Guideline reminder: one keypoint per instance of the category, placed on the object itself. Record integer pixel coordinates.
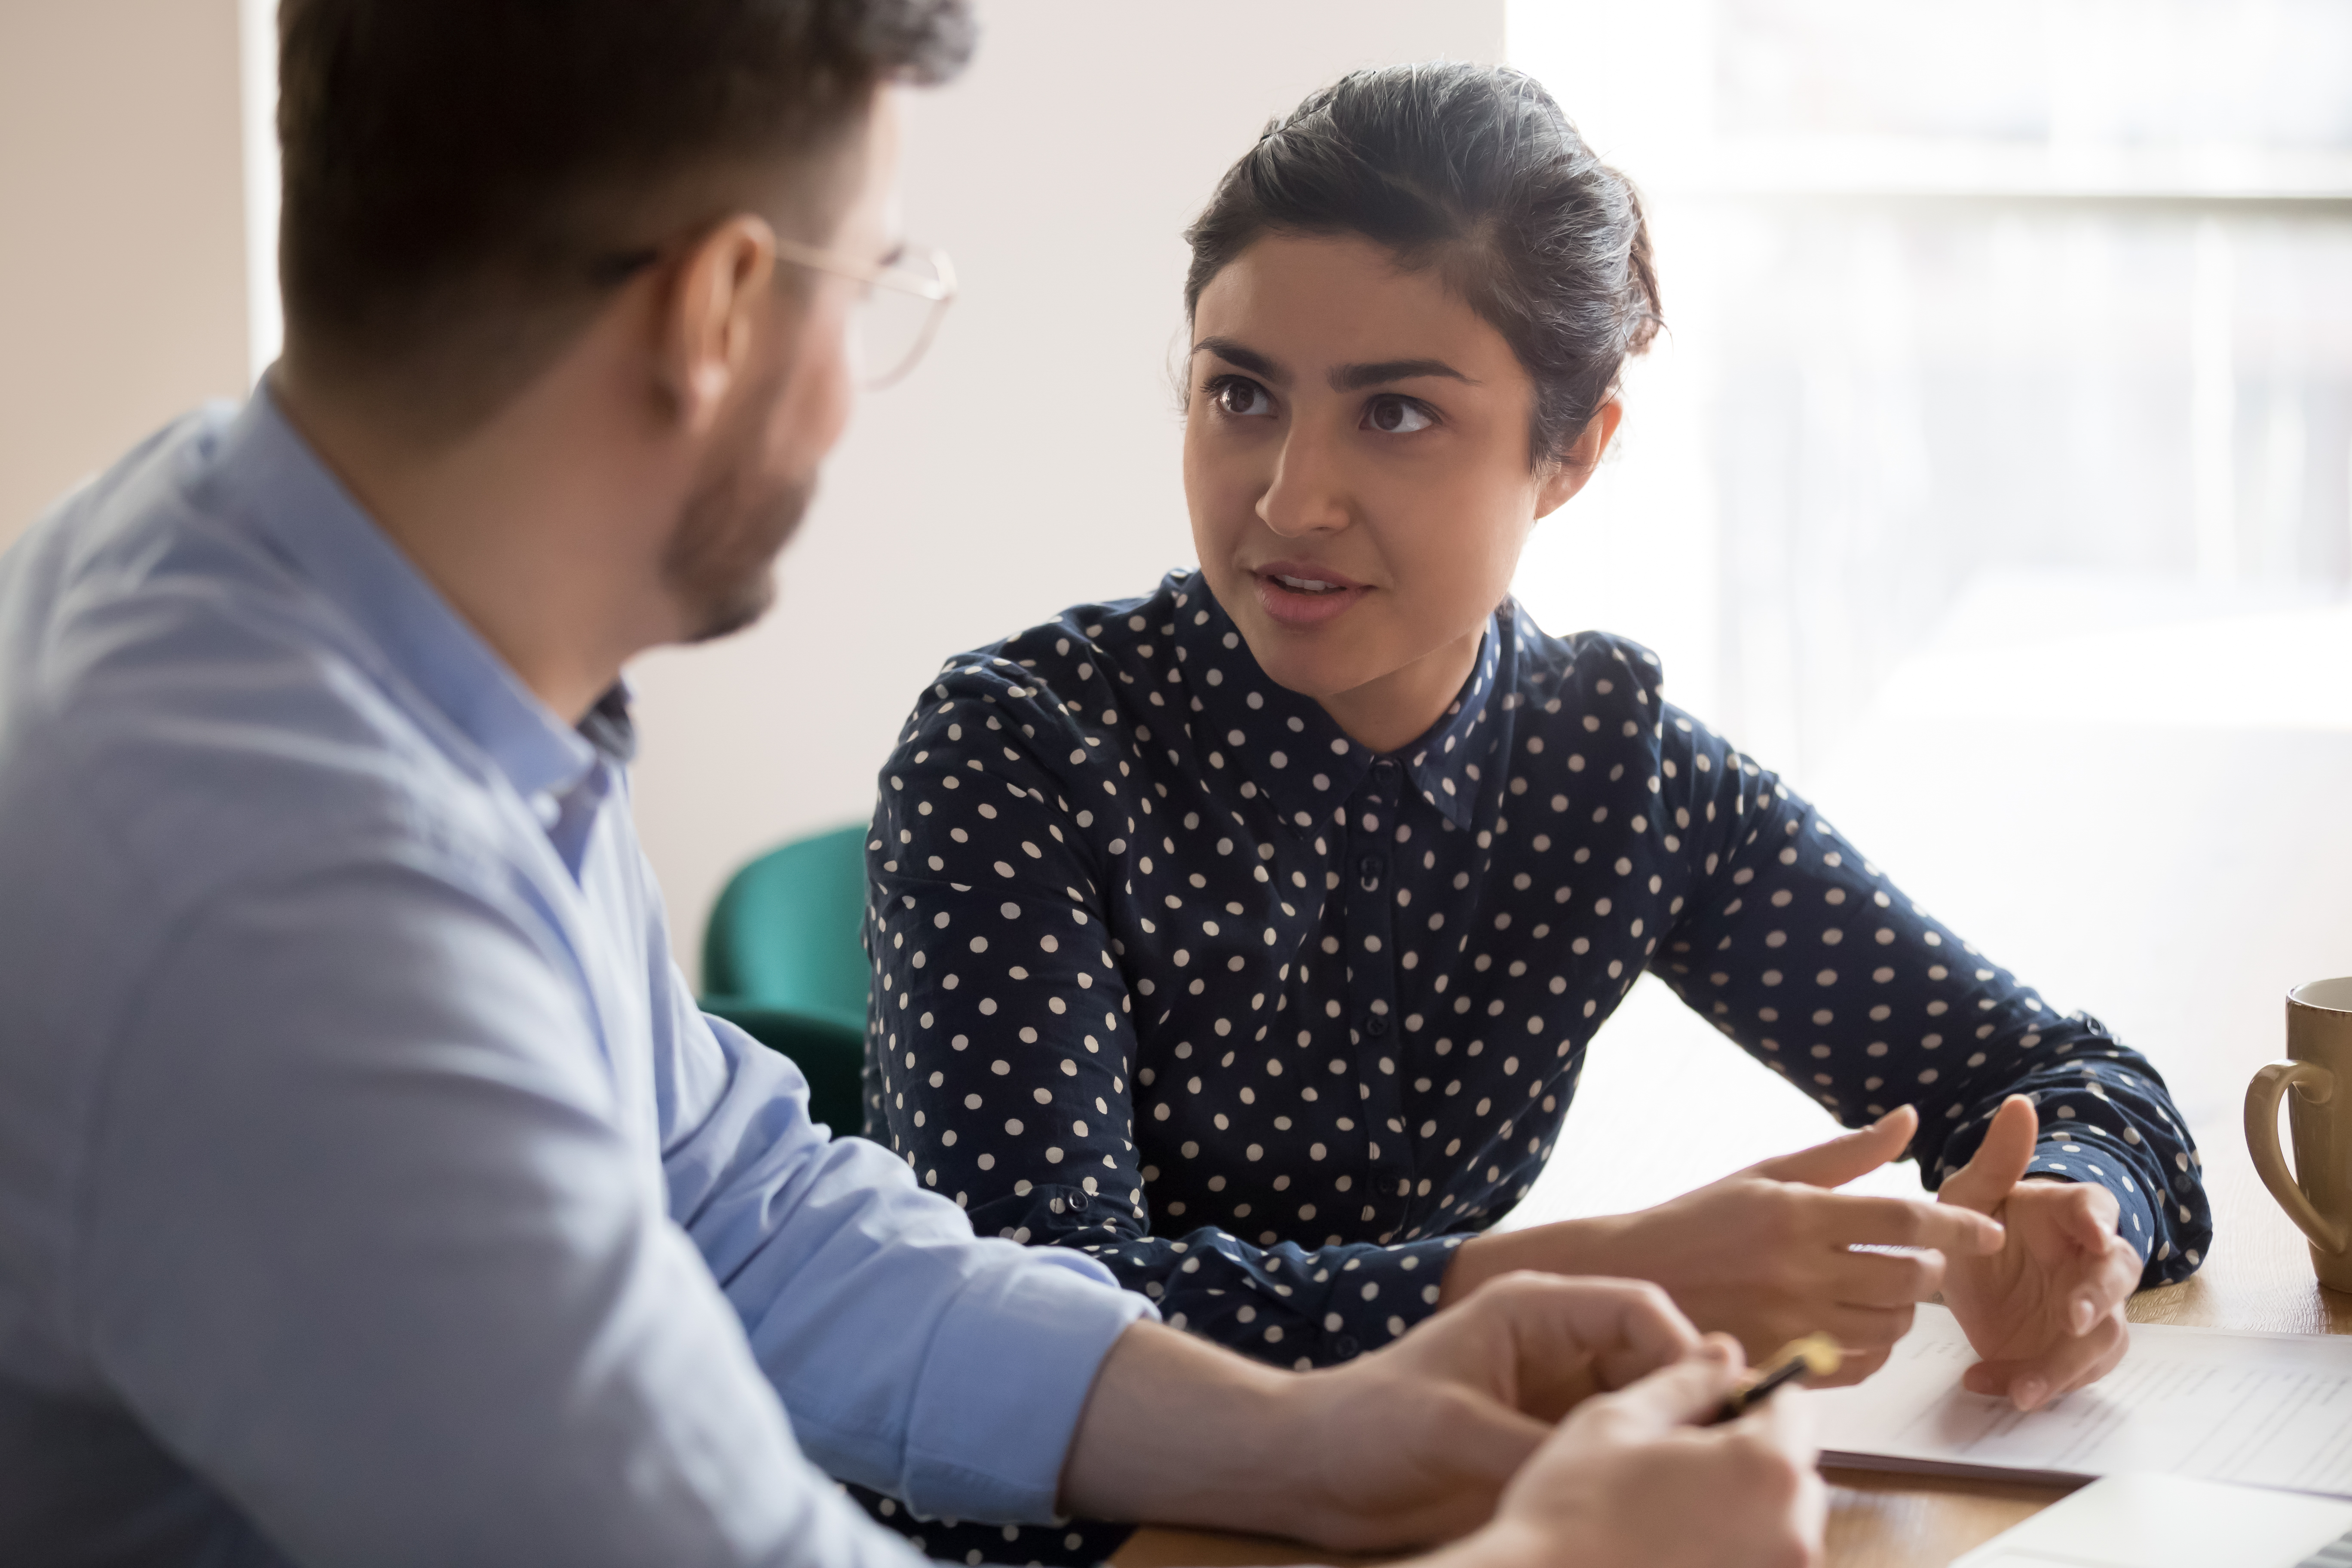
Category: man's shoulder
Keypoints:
(171, 690)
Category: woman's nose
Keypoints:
(1309, 493)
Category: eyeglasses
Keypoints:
(901, 299)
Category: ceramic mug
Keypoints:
(2317, 1193)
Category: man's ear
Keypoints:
(1567, 472)
(711, 319)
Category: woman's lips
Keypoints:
(1302, 596)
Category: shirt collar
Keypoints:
(1449, 763)
(267, 478)
(1288, 746)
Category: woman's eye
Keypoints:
(1396, 416)
(1237, 397)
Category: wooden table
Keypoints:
(2259, 1278)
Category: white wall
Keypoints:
(1031, 462)
(121, 232)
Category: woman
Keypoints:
(1250, 935)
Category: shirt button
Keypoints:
(1344, 1346)
(1370, 869)
(1377, 1024)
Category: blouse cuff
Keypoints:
(1003, 1383)
(2072, 1159)
(1379, 1294)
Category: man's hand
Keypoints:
(2046, 1311)
(1415, 1442)
(1630, 1480)
(1404, 1447)
(1766, 1253)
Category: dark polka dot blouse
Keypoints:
(1169, 969)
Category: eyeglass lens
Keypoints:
(893, 326)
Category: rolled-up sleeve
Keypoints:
(370, 1238)
(914, 1358)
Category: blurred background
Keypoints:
(1993, 481)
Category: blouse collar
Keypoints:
(1289, 748)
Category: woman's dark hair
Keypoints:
(1474, 170)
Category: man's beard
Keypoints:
(720, 563)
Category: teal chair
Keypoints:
(782, 960)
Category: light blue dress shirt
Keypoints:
(370, 1189)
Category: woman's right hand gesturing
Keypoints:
(1632, 1477)
(1767, 1254)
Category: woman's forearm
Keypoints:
(1596, 1245)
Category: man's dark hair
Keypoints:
(1473, 170)
(454, 169)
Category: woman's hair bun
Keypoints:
(1474, 170)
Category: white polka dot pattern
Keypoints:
(1168, 969)
(1066, 1544)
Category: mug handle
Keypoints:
(2318, 1085)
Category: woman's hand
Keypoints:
(1765, 1253)
(2046, 1311)
(1632, 1479)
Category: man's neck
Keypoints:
(517, 524)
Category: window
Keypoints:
(1985, 318)
(1994, 482)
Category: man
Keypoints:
(370, 1191)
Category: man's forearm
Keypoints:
(1178, 1431)
(1415, 1443)
(1504, 1543)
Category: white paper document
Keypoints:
(2267, 1410)
(2172, 1521)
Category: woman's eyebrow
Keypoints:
(1355, 378)
(1247, 358)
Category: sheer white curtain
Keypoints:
(1995, 482)
(1970, 301)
